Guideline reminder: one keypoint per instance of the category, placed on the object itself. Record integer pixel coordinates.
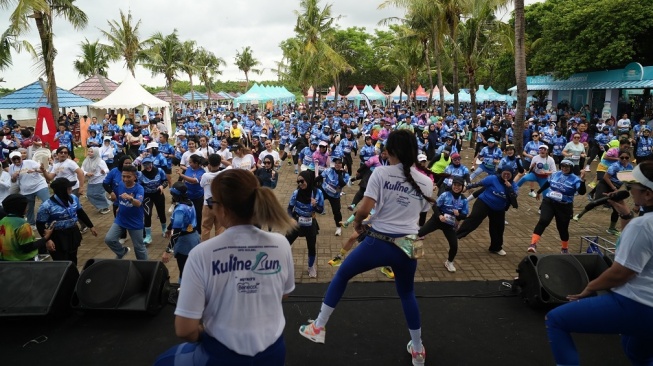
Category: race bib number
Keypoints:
(329, 188)
(450, 219)
(575, 157)
(556, 196)
(347, 150)
(448, 181)
(532, 152)
(305, 221)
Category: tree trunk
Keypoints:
(208, 94)
(471, 74)
(454, 79)
(192, 92)
(314, 101)
(246, 81)
(44, 27)
(520, 75)
(440, 83)
(428, 70)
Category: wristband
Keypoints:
(627, 216)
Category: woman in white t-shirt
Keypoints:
(224, 153)
(243, 159)
(574, 151)
(64, 167)
(205, 150)
(398, 192)
(230, 303)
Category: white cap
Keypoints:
(180, 133)
(421, 157)
(14, 154)
(152, 145)
(323, 143)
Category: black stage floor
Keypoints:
(463, 323)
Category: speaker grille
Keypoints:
(561, 275)
(104, 284)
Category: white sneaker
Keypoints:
(505, 222)
(312, 271)
(449, 266)
(338, 231)
(532, 194)
(587, 168)
(500, 252)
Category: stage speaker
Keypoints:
(36, 288)
(545, 280)
(122, 285)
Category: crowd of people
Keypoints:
(222, 166)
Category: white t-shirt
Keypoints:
(226, 155)
(205, 182)
(543, 165)
(246, 162)
(623, 123)
(575, 150)
(66, 169)
(234, 282)
(186, 156)
(273, 153)
(5, 185)
(397, 204)
(30, 179)
(205, 151)
(98, 176)
(635, 252)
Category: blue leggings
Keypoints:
(606, 314)
(208, 352)
(531, 177)
(372, 253)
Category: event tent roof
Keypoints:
(34, 96)
(174, 98)
(378, 90)
(130, 94)
(421, 94)
(195, 95)
(397, 93)
(354, 94)
(95, 88)
(372, 94)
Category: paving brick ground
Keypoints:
(473, 261)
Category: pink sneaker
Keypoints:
(418, 357)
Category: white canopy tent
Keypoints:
(129, 95)
(397, 93)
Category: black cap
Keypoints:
(61, 183)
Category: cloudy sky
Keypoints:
(222, 27)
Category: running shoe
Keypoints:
(564, 251)
(500, 252)
(126, 249)
(449, 266)
(576, 217)
(590, 197)
(338, 231)
(505, 222)
(532, 248)
(313, 333)
(387, 271)
(419, 358)
(532, 194)
(105, 211)
(312, 271)
(336, 261)
(351, 207)
(613, 232)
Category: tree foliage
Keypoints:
(125, 40)
(570, 36)
(94, 59)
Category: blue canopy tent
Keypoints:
(33, 96)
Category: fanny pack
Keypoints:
(409, 244)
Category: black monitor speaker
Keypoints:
(545, 280)
(122, 285)
(36, 288)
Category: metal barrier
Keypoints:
(597, 244)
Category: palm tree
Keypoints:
(125, 41)
(44, 12)
(520, 73)
(93, 60)
(189, 64)
(163, 55)
(479, 34)
(8, 42)
(315, 29)
(245, 61)
(209, 66)
(450, 12)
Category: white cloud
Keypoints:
(222, 27)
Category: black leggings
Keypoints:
(311, 238)
(150, 201)
(348, 161)
(181, 262)
(497, 224)
(449, 232)
(335, 207)
(562, 213)
(602, 188)
(198, 204)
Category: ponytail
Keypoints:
(403, 145)
(269, 213)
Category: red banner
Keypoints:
(45, 127)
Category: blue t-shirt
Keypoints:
(129, 216)
(563, 187)
(54, 210)
(152, 185)
(65, 139)
(495, 192)
(195, 191)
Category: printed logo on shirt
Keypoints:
(262, 265)
(246, 287)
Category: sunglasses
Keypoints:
(576, 137)
(267, 163)
(15, 158)
(300, 181)
(624, 157)
(63, 152)
(535, 136)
